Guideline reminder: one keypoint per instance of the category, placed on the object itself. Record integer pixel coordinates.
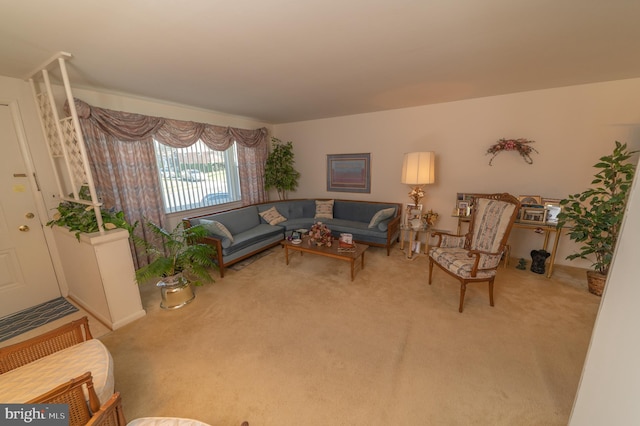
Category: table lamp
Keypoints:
(418, 170)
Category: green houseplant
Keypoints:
(279, 172)
(179, 259)
(594, 216)
(80, 218)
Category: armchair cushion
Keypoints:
(492, 222)
(457, 261)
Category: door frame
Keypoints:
(36, 192)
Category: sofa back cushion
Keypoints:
(237, 220)
(291, 209)
(359, 211)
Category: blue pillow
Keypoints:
(219, 230)
(381, 215)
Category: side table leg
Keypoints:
(286, 254)
(410, 248)
(552, 259)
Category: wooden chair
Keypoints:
(475, 256)
(19, 354)
(72, 394)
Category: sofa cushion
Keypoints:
(324, 209)
(358, 210)
(380, 216)
(216, 228)
(272, 216)
(252, 236)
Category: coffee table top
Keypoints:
(307, 246)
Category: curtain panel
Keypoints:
(120, 150)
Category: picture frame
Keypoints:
(463, 208)
(553, 209)
(411, 212)
(530, 200)
(533, 215)
(349, 173)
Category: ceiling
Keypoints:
(281, 61)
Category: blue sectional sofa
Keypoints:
(242, 232)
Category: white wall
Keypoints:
(572, 127)
(610, 385)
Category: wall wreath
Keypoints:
(520, 145)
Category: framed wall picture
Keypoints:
(349, 172)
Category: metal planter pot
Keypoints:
(176, 292)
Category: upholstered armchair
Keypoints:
(475, 256)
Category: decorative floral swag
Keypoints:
(520, 145)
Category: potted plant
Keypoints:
(179, 260)
(80, 218)
(279, 172)
(594, 216)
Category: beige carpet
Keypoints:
(303, 345)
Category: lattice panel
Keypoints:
(49, 124)
(74, 154)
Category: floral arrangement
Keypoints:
(430, 217)
(320, 234)
(520, 145)
(416, 195)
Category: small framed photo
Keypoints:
(553, 210)
(464, 208)
(533, 215)
(412, 212)
(530, 200)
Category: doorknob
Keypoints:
(29, 215)
(23, 228)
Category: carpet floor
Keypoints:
(303, 345)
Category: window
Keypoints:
(197, 176)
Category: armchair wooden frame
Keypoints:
(110, 414)
(480, 265)
(19, 354)
(72, 394)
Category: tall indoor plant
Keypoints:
(594, 216)
(179, 259)
(279, 172)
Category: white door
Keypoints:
(27, 277)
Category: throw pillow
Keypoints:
(381, 215)
(324, 209)
(272, 216)
(216, 228)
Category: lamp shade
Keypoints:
(418, 168)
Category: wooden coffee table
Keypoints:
(349, 256)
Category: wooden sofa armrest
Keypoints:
(217, 244)
(19, 354)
